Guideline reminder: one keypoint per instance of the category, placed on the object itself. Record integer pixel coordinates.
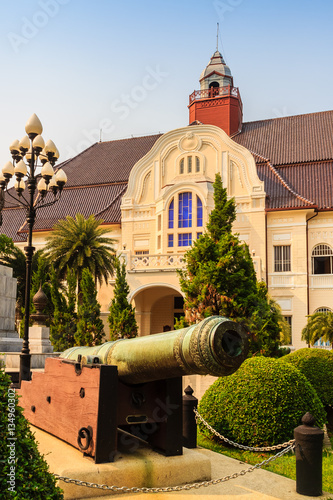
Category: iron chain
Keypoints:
(241, 446)
(288, 446)
(167, 489)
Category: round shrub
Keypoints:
(24, 473)
(317, 366)
(260, 404)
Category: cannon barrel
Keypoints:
(216, 346)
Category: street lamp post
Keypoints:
(39, 185)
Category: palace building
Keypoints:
(154, 194)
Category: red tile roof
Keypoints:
(294, 157)
(108, 162)
(12, 220)
(95, 200)
(313, 180)
(290, 153)
(291, 139)
(97, 179)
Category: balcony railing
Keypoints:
(156, 262)
(321, 281)
(226, 91)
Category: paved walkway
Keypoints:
(259, 484)
(256, 485)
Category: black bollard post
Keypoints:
(309, 450)
(189, 423)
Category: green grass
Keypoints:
(285, 465)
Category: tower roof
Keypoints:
(216, 65)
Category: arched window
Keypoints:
(185, 210)
(214, 88)
(189, 164)
(322, 259)
(323, 310)
(171, 215)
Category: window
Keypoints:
(288, 340)
(189, 164)
(322, 259)
(199, 212)
(214, 88)
(323, 310)
(142, 252)
(171, 214)
(184, 239)
(185, 210)
(282, 259)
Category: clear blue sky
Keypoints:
(129, 67)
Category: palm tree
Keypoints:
(80, 244)
(320, 325)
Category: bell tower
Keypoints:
(217, 102)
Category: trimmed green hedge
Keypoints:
(317, 366)
(24, 473)
(261, 403)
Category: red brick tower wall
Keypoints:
(225, 112)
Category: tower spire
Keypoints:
(217, 102)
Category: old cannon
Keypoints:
(107, 398)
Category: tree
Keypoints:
(24, 472)
(224, 212)
(78, 244)
(6, 245)
(122, 315)
(268, 327)
(90, 328)
(319, 326)
(64, 321)
(219, 279)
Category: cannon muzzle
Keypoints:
(216, 346)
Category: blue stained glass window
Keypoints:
(171, 214)
(184, 239)
(170, 240)
(184, 210)
(199, 212)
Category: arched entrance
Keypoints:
(156, 307)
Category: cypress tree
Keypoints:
(219, 279)
(122, 315)
(90, 327)
(63, 324)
